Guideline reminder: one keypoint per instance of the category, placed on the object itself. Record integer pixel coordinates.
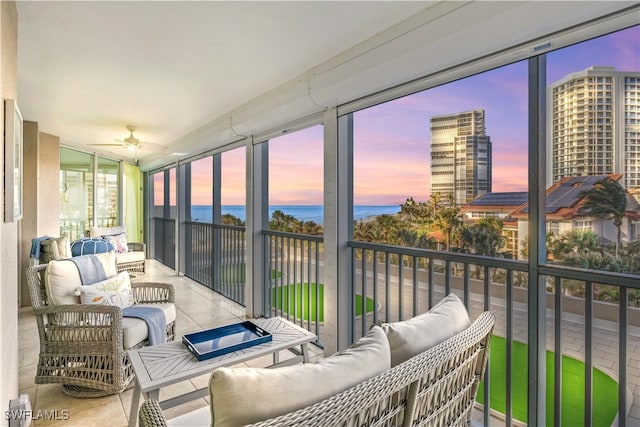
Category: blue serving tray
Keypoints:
(226, 339)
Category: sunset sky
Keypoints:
(391, 140)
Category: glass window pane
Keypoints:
(158, 194)
(172, 192)
(202, 190)
(233, 191)
(296, 187)
(76, 192)
(593, 153)
(107, 185)
(445, 167)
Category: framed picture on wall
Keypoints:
(12, 161)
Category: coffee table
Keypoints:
(165, 364)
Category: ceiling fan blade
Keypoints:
(107, 145)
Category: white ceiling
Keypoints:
(190, 75)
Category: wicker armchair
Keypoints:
(82, 345)
(434, 388)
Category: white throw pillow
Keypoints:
(115, 291)
(242, 396)
(61, 278)
(411, 337)
(119, 242)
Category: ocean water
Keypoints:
(304, 213)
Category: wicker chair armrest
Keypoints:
(153, 292)
(80, 323)
(150, 414)
(136, 247)
(79, 308)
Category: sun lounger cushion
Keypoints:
(413, 336)
(242, 396)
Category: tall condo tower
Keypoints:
(593, 125)
(460, 156)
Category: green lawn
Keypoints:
(605, 389)
(281, 300)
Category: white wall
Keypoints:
(8, 231)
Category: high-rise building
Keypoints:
(594, 125)
(460, 156)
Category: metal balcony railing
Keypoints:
(397, 283)
(591, 316)
(164, 240)
(215, 257)
(294, 285)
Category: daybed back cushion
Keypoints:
(106, 231)
(411, 337)
(242, 396)
(61, 278)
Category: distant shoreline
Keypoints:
(313, 213)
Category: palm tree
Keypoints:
(574, 241)
(281, 221)
(447, 220)
(607, 199)
(483, 238)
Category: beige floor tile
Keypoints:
(69, 411)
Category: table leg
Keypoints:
(305, 353)
(135, 403)
(276, 357)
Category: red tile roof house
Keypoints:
(565, 212)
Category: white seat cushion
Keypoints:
(242, 396)
(135, 330)
(131, 256)
(411, 337)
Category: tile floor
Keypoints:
(198, 308)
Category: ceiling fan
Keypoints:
(131, 143)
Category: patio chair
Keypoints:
(84, 346)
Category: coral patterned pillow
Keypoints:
(113, 291)
(119, 242)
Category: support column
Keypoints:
(338, 230)
(216, 253)
(257, 209)
(537, 243)
(183, 213)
